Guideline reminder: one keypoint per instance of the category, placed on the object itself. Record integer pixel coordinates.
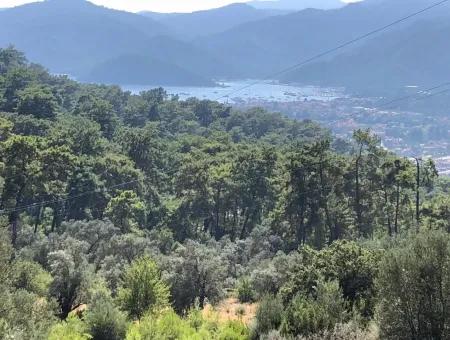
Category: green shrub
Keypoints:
(144, 329)
(195, 318)
(25, 315)
(309, 315)
(203, 326)
(170, 326)
(268, 315)
(167, 326)
(272, 335)
(245, 291)
(414, 288)
(233, 330)
(31, 277)
(105, 321)
(351, 265)
(347, 331)
(197, 274)
(70, 329)
(143, 290)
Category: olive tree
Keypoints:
(414, 288)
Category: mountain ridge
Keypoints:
(76, 37)
(207, 22)
(81, 39)
(273, 44)
(297, 5)
(388, 62)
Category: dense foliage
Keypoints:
(117, 207)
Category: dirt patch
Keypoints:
(231, 310)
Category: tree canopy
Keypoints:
(117, 207)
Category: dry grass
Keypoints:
(79, 310)
(231, 310)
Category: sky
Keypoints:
(148, 5)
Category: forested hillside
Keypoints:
(125, 216)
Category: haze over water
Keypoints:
(263, 91)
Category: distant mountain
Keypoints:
(69, 36)
(98, 44)
(296, 5)
(203, 23)
(168, 56)
(141, 69)
(418, 55)
(266, 46)
(77, 38)
(190, 57)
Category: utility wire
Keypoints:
(334, 49)
(37, 172)
(418, 95)
(40, 204)
(436, 94)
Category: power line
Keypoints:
(436, 94)
(40, 204)
(418, 95)
(334, 49)
(37, 172)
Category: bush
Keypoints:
(268, 315)
(31, 277)
(233, 330)
(272, 335)
(270, 275)
(245, 291)
(351, 265)
(309, 315)
(144, 329)
(196, 272)
(346, 331)
(414, 288)
(70, 329)
(167, 326)
(105, 321)
(143, 289)
(25, 315)
(170, 326)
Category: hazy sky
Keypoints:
(150, 5)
